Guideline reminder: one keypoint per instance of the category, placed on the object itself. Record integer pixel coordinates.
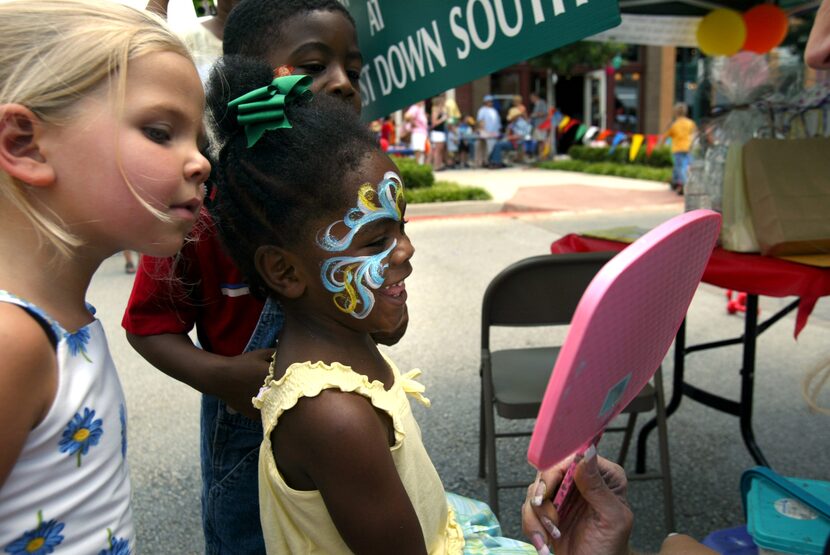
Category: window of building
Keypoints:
(627, 90)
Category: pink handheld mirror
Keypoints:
(620, 332)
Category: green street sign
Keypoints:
(416, 49)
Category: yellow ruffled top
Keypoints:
(296, 521)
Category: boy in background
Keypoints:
(681, 132)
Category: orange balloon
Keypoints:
(766, 28)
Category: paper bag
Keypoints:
(788, 187)
(737, 232)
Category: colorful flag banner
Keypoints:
(573, 123)
(580, 132)
(618, 138)
(651, 142)
(604, 134)
(593, 130)
(636, 143)
(545, 125)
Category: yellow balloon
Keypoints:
(721, 32)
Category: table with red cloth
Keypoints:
(753, 274)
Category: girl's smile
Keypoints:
(394, 290)
(394, 293)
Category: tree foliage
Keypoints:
(592, 55)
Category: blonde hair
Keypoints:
(680, 109)
(55, 52)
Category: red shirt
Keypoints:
(201, 286)
(387, 131)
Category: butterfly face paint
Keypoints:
(351, 278)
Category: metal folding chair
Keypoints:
(544, 291)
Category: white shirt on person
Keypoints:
(489, 121)
(69, 490)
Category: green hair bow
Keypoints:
(263, 109)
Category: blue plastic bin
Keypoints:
(786, 515)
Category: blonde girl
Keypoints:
(100, 128)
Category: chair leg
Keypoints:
(492, 475)
(482, 439)
(626, 443)
(490, 441)
(663, 440)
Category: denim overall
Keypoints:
(230, 456)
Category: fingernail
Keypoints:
(590, 461)
(590, 452)
(539, 543)
(672, 534)
(551, 528)
(539, 493)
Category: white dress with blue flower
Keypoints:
(69, 491)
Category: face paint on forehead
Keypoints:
(350, 278)
(372, 205)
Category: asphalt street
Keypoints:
(456, 258)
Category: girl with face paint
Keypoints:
(202, 287)
(342, 467)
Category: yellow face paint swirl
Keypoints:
(346, 301)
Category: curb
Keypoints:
(453, 208)
(485, 208)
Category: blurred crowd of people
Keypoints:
(436, 132)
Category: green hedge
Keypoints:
(421, 186)
(635, 171)
(660, 157)
(443, 191)
(415, 175)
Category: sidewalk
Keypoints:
(524, 189)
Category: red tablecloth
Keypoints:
(751, 273)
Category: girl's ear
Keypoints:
(277, 268)
(20, 155)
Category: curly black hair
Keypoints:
(267, 194)
(253, 26)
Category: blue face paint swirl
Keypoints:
(350, 277)
(372, 205)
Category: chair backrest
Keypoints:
(540, 290)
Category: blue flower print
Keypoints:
(77, 342)
(81, 433)
(122, 413)
(118, 546)
(40, 541)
